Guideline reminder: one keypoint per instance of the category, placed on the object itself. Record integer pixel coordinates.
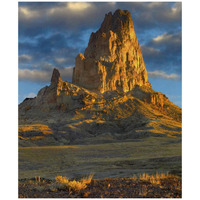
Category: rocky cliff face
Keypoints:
(113, 59)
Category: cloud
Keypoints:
(56, 49)
(52, 34)
(162, 74)
(30, 95)
(148, 15)
(25, 12)
(25, 58)
(44, 76)
(35, 18)
(34, 75)
(163, 52)
(149, 51)
(66, 73)
(77, 6)
(60, 60)
(167, 39)
(59, 17)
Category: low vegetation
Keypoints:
(73, 185)
(155, 179)
(159, 185)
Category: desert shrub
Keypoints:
(76, 185)
(61, 179)
(73, 185)
(87, 180)
(154, 179)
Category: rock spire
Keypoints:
(113, 59)
(56, 78)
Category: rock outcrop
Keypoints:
(60, 95)
(76, 115)
(113, 59)
(109, 100)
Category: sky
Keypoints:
(52, 34)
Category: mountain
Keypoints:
(113, 59)
(110, 98)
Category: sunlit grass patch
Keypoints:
(155, 179)
(35, 127)
(73, 184)
(87, 180)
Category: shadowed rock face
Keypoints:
(113, 59)
(55, 79)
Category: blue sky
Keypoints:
(52, 34)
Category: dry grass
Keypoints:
(169, 187)
(87, 180)
(154, 179)
(73, 185)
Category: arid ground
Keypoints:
(113, 164)
(157, 186)
(124, 159)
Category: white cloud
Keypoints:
(27, 13)
(149, 51)
(30, 95)
(34, 75)
(43, 76)
(153, 5)
(162, 37)
(168, 38)
(24, 58)
(61, 60)
(68, 8)
(77, 6)
(162, 74)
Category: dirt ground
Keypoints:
(122, 159)
(170, 187)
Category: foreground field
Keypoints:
(164, 186)
(124, 159)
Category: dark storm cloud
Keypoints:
(57, 49)
(35, 19)
(163, 53)
(149, 15)
(52, 34)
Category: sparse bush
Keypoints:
(154, 179)
(61, 179)
(87, 180)
(76, 185)
(73, 185)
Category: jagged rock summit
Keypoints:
(113, 59)
(109, 100)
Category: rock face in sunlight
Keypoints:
(109, 100)
(113, 59)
